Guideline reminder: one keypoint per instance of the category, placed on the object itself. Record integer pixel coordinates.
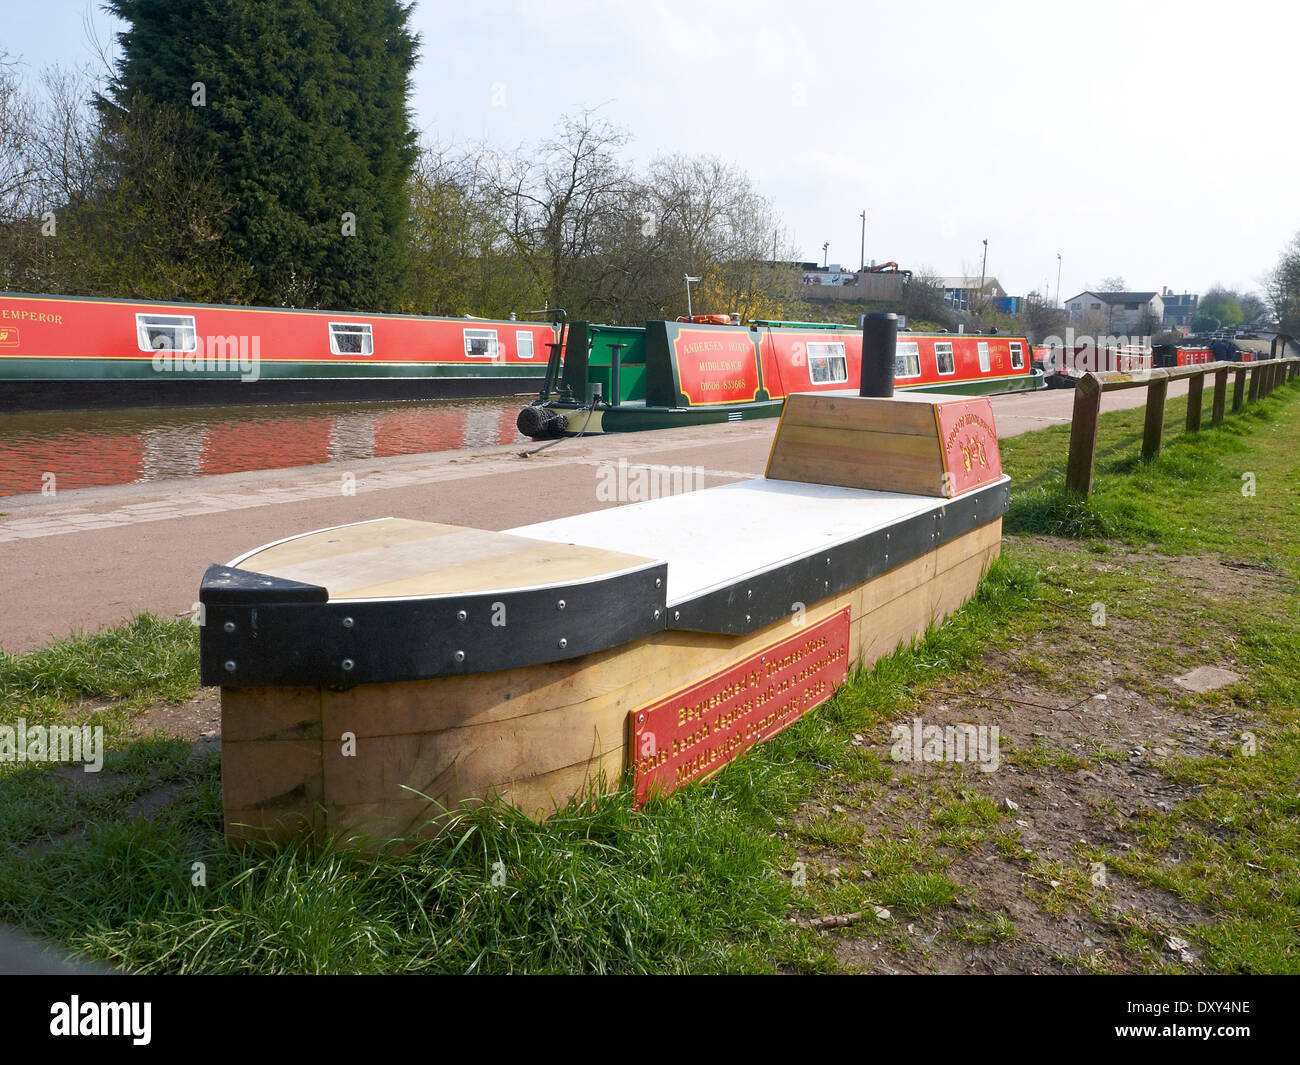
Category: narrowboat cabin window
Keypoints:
(351, 338)
(943, 359)
(166, 332)
(983, 348)
(524, 344)
(481, 343)
(827, 362)
(907, 359)
(1017, 356)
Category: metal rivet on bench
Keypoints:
(229, 626)
(230, 665)
(563, 643)
(460, 656)
(347, 665)
(560, 604)
(677, 615)
(461, 615)
(659, 582)
(347, 623)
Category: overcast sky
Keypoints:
(1149, 140)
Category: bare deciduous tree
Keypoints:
(561, 202)
(17, 165)
(1283, 289)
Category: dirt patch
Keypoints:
(148, 804)
(87, 784)
(197, 719)
(1227, 576)
(1089, 748)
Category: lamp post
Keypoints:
(1058, 280)
(983, 265)
(826, 254)
(689, 313)
(863, 216)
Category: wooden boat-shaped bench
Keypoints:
(375, 673)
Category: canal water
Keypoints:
(85, 448)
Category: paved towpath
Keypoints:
(95, 556)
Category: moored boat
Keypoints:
(691, 372)
(1200, 351)
(71, 352)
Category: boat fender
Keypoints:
(539, 423)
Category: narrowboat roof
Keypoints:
(802, 325)
(250, 307)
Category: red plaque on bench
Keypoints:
(694, 732)
(971, 458)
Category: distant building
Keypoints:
(962, 293)
(1115, 310)
(1179, 309)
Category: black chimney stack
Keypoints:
(879, 339)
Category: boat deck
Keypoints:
(719, 538)
(392, 558)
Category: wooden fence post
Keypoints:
(1220, 394)
(1083, 435)
(1153, 434)
(1195, 391)
(1238, 389)
(1253, 395)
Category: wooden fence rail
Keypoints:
(1264, 377)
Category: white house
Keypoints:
(1115, 310)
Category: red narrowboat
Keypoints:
(68, 352)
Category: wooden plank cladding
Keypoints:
(380, 761)
(911, 443)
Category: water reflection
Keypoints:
(118, 447)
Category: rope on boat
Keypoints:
(776, 361)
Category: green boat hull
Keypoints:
(636, 417)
